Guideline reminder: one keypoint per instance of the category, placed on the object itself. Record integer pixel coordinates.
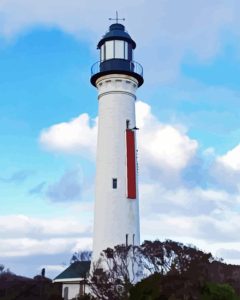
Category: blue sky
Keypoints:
(187, 110)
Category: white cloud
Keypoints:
(28, 247)
(162, 145)
(21, 226)
(75, 136)
(208, 231)
(225, 171)
(207, 218)
(27, 236)
(157, 198)
(231, 159)
(27, 244)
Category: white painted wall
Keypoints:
(115, 214)
(73, 290)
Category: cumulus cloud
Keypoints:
(75, 136)
(41, 241)
(215, 226)
(232, 254)
(157, 198)
(225, 171)
(21, 226)
(231, 159)
(25, 246)
(27, 243)
(164, 148)
(174, 29)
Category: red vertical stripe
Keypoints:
(131, 164)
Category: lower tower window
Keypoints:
(114, 183)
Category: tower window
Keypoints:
(126, 50)
(102, 52)
(115, 49)
(114, 183)
(119, 49)
(109, 54)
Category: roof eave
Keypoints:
(68, 279)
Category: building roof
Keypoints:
(77, 270)
(116, 32)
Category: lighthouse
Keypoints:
(116, 76)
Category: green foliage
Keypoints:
(147, 289)
(214, 291)
(164, 287)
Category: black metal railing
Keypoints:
(117, 65)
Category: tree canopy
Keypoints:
(163, 270)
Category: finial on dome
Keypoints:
(116, 19)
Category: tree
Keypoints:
(1, 268)
(169, 270)
(84, 255)
(115, 272)
(173, 257)
(4, 271)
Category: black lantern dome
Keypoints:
(116, 55)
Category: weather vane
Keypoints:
(116, 19)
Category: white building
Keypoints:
(116, 77)
(73, 280)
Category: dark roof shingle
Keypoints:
(78, 269)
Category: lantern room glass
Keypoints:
(109, 50)
(117, 49)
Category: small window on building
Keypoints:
(114, 183)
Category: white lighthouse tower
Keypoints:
(116, 77)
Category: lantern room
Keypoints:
(116, 44)
(116, 55)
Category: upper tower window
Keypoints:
(126, 50)
(119, 49)
(102, 53)
(114, 49)
(109, 50)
